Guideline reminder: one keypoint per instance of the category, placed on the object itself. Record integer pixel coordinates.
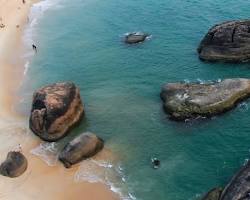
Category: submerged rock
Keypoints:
(14, 165)
(82, 147)
(229, 42)
(136, 37)
(213, 194)
(239, 187)
(55, 109)
(190, 100)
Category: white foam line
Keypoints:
(26, 67)
(104, 172)
(48, 152)
(37, 11)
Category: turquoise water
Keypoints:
(81, 40)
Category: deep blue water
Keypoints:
(81, 41)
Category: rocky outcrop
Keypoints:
(55, 109)
(190, 100)
(14, 165)
(136, 37)
(239, 187)
(229, 42)
(213, 194)
(82, 147)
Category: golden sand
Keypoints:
(39, 182)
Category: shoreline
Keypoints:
(40, 181)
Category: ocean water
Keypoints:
(81, 41)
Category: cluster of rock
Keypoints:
(55, 110)
(58, 107)
(237, 189)
(227, 42)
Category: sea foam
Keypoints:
(48, 152)
(36, 13)
(105, 172)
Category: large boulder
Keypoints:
(213, 194)
(82, 147)
(14, 165)
(191, 100)
(55, 109)
(136, 37)
(229, 42)
(239, 187)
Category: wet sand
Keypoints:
(40, 181)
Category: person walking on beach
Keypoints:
(34, 48)
(23, 1)
(1, 24)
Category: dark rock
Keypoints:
(190, 100)
(136, 37)
(239, 187)
(213, 194)
(82, 147)
(14, 165)
(229, 42)
(55, 109)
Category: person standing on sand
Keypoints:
(23, 1)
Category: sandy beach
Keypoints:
(40, 181)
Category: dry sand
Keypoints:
(39, 182)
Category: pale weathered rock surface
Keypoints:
(190, 100)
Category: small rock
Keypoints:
(213, 194)
(14, 165)
(135, 37)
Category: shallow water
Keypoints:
(81, 41)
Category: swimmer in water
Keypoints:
(155, 163)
